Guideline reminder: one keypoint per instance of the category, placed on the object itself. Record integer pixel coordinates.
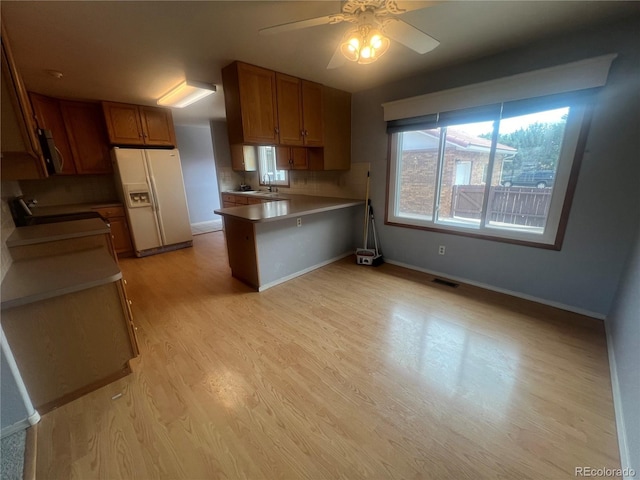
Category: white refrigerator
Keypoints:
(151, 187)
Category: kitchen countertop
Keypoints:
(260, 194)
(56, 231)
(70, 208)
(292, 206)
(35, 279)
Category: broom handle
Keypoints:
(365, 230)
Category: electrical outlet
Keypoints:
(299, 221)
(441, 250)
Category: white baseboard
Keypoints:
(617, 404)
(486, 286)
(21, 425)
(302, 272)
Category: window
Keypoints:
(496, 160)
(500, 171)
(269, 174)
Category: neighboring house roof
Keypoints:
(426, 140)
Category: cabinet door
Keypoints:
(258, 104)
(292, 158)
(49, 116)
(336, 154)
(288, 96)
(312, 113)
(87, 137)
(243, 158)
(120, 235)
(283, 158)
(157, 126)
(299, 159)
(123, 123)
(21, 155)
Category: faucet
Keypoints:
(267, 181)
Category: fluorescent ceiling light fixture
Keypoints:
(186, 93)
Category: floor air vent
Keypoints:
(446, 283)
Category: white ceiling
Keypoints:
(136, 51)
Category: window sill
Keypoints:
(476, 234)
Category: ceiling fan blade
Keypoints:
(311, 22)
(409, 5)
(408, 35)
(337, 60)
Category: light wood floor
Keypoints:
(347, 372)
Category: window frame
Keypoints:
(277, 183)
(569, 161)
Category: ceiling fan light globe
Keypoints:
(350, 52)
(384, 46)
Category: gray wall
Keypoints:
(199, 171)
(624, 339)
(285, 249)
(13, 408)
(606, 208)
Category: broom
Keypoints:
(365, 255)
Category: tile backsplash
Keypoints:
(349, 184)
(66, 190)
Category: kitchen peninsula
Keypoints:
(289, 235)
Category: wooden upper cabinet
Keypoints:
(336, 152)
(87, 137)
(48, 116)
(299, 111)
(157, 126)
(123, 123)
(244, 158)
(21, 154)
(250, 104)
(289, 98)
(139, 125)
(78, 132)
(292, 158)
(312, 113)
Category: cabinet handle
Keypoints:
(61, 158)
(130, 302)
(277, 130)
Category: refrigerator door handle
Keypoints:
(157, 209)
(154, 208)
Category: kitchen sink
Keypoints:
(261, 193)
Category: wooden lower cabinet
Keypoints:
(69, 345)
(231, 200)
(120, 233)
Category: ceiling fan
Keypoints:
(376, 21)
